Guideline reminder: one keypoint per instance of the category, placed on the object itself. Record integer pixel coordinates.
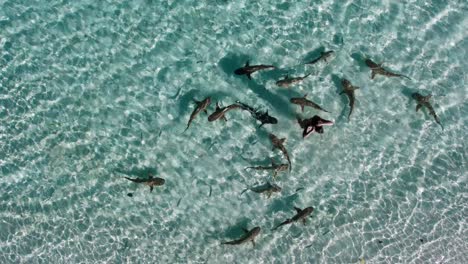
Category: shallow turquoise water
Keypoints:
(92, 91)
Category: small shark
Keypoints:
(201, 106)
(313, 124)
(424, 101)
(263, 117)
(249, 236)
(248, 70)
(302, 102)
(349, 89)
(275, 167)
(300, 216)
(221, 111)
(287, 81)
(324, 55)
(151, 181)
(267, 188)
(279, 144)
(378, 69)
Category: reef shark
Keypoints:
(279, 144)
(349, 89)
(378, 69)
(249, 236)
(263, 117)
(424, 101)
(287, 81)
(324, 55)
(250, 69)
(150, 181)
(275, 167)
(300, 216)
(201, 106)
(267, 188)
(303, 101)
(221, 111)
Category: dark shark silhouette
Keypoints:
(349, 89)
(279, 144)
(378, 69)
(268, 188)
(302, 102)
(249, 236)
(275, 167)
(201, 106)
(250, 69)
(300, 216)
(263, 117)
(423, 101)
(221, 111)
(150, 181)
(324, 55)
(287, 81)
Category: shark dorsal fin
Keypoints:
(272, 162)
(298, 210)
(305, 96)
(286, 77)
(282, 140)
(245, 230)
(217, 106)
(247, 64)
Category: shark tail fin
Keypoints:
(130, 179)
(249, 76)
(404, 76)
(246, 189)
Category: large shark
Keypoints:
(324, 55)
(150, 181)
(263, 117)
(349, 89)
(201, 106)
(302, 102)
(267, 188)
(221, 111)
(275, 167)
(424, 101)
(249, 236)
(300, 216)
(279, 144)
(287, 81)
(249, 69)
(378, 69)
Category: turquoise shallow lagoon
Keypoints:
(94, 91)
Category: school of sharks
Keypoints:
(309, 126)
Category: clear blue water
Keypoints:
(92, 91)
